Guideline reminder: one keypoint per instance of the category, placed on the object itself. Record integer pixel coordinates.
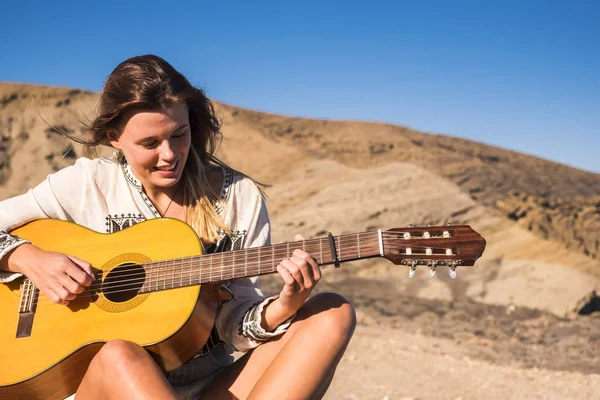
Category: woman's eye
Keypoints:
(150, 145)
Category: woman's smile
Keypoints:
(167, 170)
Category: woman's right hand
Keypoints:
(60, 277)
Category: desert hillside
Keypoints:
(512, 319)
(552, 200)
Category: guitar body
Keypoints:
(51, 360)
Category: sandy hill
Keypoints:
(348, 176)
(550, 199)
(541, 221)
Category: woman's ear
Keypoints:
(113, 137)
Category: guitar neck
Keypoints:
(225, 266)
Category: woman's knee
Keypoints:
(118, 353)
(335, 315)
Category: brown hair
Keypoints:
(149, 83)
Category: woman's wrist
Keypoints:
(11, 261)
(274, 314)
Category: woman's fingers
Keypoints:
(287, 277)
(85, 267)
(59, 294)
(303, 269)
(79, 276)
(315, 270)
(307, 264)
(294, 271)
(71, 278)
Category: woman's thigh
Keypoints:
(323, 314)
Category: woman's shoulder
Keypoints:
(103, 173)
(84, 168)
(96, 164)
(234, 190)
(239, 187)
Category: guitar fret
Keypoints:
(171, 266)
(259, 261)
(168, 275)
(233, 265)
(180, 275)
(158, 278)
(157, 275)
(246, 262)
(339, 246)
(321, 249)
(173, 271)
(165, 274)
(210, 271)
(358, 244)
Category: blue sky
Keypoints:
(522, 75)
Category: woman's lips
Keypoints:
(167, 173)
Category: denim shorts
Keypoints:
(191, 379)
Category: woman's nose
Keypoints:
(166, 151)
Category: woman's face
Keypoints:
(156, 145)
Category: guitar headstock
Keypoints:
(449, 245)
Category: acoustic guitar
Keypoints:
(154, 287)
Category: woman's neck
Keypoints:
(165, 199)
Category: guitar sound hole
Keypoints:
(123, 283)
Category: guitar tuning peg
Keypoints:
(411, 272)
(452, 272)
(432, 266)
(452, 269)
(431, 272)
(448, 223)
(411, 226)
(429, 225)
(413, 269)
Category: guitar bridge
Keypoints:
(27, 307)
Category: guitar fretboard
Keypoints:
(220, 267)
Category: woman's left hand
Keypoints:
(300, 274)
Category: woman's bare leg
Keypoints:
(298, 365)
(124, 370)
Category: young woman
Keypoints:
(164, 132)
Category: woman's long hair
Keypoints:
(150, 83)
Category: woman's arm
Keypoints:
(60, 197)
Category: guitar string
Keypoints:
(295, 245)
(218, 275)
(224, 259)
(225, 264)
(132, 283)
(217, 272)
(47, 301)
